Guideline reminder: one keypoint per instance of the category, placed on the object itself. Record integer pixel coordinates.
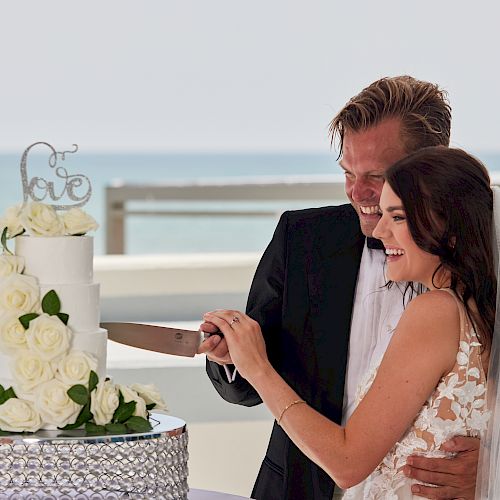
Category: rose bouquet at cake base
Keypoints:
(54, 385)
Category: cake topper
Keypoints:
(46, 188)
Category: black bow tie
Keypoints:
(374, 244)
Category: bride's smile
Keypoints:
(406, 261)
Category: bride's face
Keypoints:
(405, 260)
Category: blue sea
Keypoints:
(171, 234)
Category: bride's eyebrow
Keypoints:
(393, 209)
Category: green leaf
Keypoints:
(150, 406)
(26, 318)
(116, 428)
(124, 412)
(2, 390)
(63, 317)
(83, 417)
(138, 424)
(18, 234)
(51, 303)
(79, 394)
(92, 428)
(93, 380)
(9, 393)
(4, 239)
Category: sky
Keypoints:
(233, 76)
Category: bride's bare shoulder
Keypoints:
(431, 324)
(435, 310)
(435, 302)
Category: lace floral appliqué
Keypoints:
(456, 407)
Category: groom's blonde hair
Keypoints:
(422, 108)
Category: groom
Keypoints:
(319, 296)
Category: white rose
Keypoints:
(17, 415)
(150, 394)
(78, 222)
(29, 371)
(20, 294)
(41, 220)
(130, 395)
(49, 337)
(75, 368)
(12, 333)
(10, 264)
(54, 404)
(103, 402)
(11, 220)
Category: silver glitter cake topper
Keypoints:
(72, 182)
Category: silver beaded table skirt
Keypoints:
(72, 465)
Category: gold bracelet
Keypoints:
(287, 407)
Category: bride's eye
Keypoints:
(398, 218)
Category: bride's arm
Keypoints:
(422, 349)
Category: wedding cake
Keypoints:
(63, 265)
(53, 373)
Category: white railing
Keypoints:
(320, 190)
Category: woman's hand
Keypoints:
(244, 340)
(214, 346)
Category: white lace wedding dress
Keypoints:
(456, 407)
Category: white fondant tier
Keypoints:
(58, 259)
(94, 343)
(5, 375)
(80, 301)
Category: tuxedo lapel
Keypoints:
(332, 282)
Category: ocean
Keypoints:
(170, 234)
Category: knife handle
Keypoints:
(208, 334)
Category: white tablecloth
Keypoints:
(212, 495)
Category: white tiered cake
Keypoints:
(37, 377)
(66, 428)
(65, 264)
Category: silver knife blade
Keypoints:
(155, 338)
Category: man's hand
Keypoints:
(454, 477)
(214, 346)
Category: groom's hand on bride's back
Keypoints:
(453, 477)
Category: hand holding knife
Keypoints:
(164, 339)
(156, 338)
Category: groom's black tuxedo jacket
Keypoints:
(302, 297)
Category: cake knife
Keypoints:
(156, 338)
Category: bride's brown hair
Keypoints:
(448, 203)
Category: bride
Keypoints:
(430, 385)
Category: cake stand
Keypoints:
(75, 465)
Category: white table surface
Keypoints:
(212, 495)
